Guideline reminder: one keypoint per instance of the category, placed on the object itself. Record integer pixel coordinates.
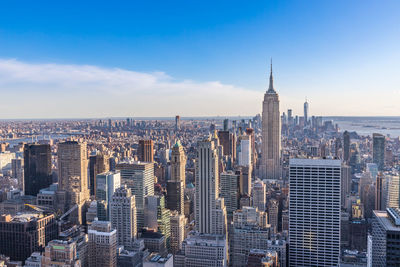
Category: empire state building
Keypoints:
(271, 134)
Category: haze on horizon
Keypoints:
(70, 60)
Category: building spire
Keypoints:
(271, 82)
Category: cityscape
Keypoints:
(285, 186)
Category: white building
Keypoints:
(106, 184)
(259, 195)
(314, 207)
(123, 216)
(203, 250)
(244, 157)
(207, 211)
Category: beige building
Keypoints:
(72, 176)
(271, 134)
(60, 254)
(102, 245)
(176, 185)
(178, 223)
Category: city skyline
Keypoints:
(216, 57)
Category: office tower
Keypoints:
(178, 223)
(250, 133)
(386, 238)
(378, 151)
(123, 216)
(393, 191)
(226, 124)
(259, 195)
(157, 217)
(380, 201)
(314, 206)
(230, 183)
(207, 188)
(106, 184)
(346, 183)
(102, 244)
(346, 146)
(203, 250)
(280, 246)
(305, 113)
(60, 253)
(176, 185)
(273, 208)
(228, 142)
(72, 176)
(22, 234)
(249, 231)
(37, 168)
(244, 151)
(98, 163)
(139, 177)
(290, 117)
(153, 241)
(271, 134)
(245, 180)
(17, 172)
(146, 151)
(177, 122)
(77, 234)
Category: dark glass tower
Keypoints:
(37, 168)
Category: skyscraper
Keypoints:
(106, 184)
(177, 122)
(72, 176)
(176, 185)
(146, 151)
(346, 146)
(123, 216)
(228, 142)
(259, 195)
(98, 163)
(230, 186)
(139, 177)
(305, 113)
(102, 244)
(207, 188)
(314, 207)
(378, 153)
(37, 168)
(386, 238)
(178, 223)
(271, 133)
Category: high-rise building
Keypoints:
(60, 253)
(203, 250)
(386, 238)
(123, 216)
(24, 233)
(346, 183)
(273, 208)
(259, 195)
(271, 134)
(178, 223)
(146, 151)
(98, 163)
(207, 188)
(37, 168)
(102, 244)
(314, 206)
(230, 187)
(176, 185)
(305, 113)
(244, 151)
(228, 142)
(177, 122)
(106, 184)
(139, 177)
(72, 176)
(17, 171)
(380, 201)
(346, 146)
(393, 191)
(378, 151)
(157, 217)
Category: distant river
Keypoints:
(369, 125)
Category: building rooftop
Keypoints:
(316, 162)
(384, 219)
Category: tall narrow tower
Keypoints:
(271, 133)
(305, 113)
(176, 185)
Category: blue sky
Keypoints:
(209, 57)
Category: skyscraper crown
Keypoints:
(271, 89)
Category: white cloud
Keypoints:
(34, 90)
